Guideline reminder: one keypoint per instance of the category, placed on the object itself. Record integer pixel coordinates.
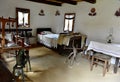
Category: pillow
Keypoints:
(8, 36)
(41, 33)
(47, 32)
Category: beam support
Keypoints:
(46, 2)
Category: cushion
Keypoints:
(103, 56)
(45, 32)
(9, 37)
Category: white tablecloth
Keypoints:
(106, 48)
(109, 49)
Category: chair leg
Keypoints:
(13, 71)
(90, 54)
(22, 74)
(71, 61)
(28, 65)
(92, 63)
(96, 63)
(104, 69)
(108, 66)
(14, 68)
(88, 57)
(69, 57)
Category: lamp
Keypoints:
(110, 36)
(57, 13)
(41, 12)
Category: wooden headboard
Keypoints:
(43, 29)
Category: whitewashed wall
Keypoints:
(96, 28)
(7, 8)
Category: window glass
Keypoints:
(23, 17)
(69, 22)
(20, 18)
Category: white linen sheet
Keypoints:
(49, 40)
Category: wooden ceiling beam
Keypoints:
(90, 1)
(46, 2)
(59, 2)
(55, 1)
(68, 1)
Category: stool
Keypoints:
(101, 59)
(71, 57)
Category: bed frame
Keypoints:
(38, 30)
(43, 29)
(62, 48)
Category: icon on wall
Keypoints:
(41, 12)
(92, 12)
(57, 13)
(117, 13)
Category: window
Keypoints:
(23, 17)
(69, 19)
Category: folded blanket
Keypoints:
(64, 39)
(83, 40)
(61, 38)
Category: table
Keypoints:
(108, 49)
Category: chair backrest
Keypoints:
(21, 58)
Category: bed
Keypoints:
(60, 41)
(46, 37)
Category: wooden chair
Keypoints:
(77, 44)
(72, 57)
(102, 60)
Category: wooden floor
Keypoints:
(49, 66)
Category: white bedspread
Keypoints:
(49, 40)
(108, 49)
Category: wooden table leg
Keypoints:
(116, 65)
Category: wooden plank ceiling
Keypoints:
(60, 2)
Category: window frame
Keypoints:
(23, 10)
(73, 21)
